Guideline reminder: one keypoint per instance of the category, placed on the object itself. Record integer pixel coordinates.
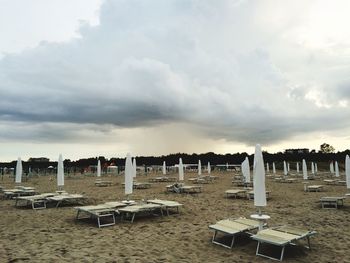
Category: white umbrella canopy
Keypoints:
(259, 179)
(181, 170)
(199, 167)
(285, 171)
(19, 171)
(99, 168)
(273, 168)
(134, 168)
(297, 167)
(304, 170)
(164, 168)
(347, 171)
(336, 169)
(209, 168)
(60, 172)
(129, 173)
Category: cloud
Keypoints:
(228, 69)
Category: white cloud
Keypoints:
(234, 71)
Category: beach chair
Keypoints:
(281, 237)
(18, 191)
(101, 183)
(236, 193)
(66, 198)
(133, 210)
(250, 194)
(332, 202)
(167, 205)
(232, 228)
(139, 185)
(314, 188)
(100, 212)
(36, 201)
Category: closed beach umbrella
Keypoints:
(129, 173)
(134, 168)
(297, 167)
(304, 170)
(285, 172)
(209, 168)
(60, 172)
(331, 167)
(164, 168)
(99, 168)
(316, 169)
(19, 171)
(181, 170)
(247, 170)
(312, 168)
(288, 168)
(199, 167)
(259, 179)
(267, 168)
(336, 169)
(347, 171)
(273, 168)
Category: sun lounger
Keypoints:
(180, 188)
(199, 180)
(330, 181)
(341, 182)
(36, 201)
(139, 185)
(236, 193)
(10, 193)
(102, 211)
(66, 198)
(132, 211)
(314, 188)
(167, 205)
(161, 179)
(281, 237)
(250, 194)
(103, 183)
(233, 227)
(332, 202)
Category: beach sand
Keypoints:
(53, 235)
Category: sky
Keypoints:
(89, 78)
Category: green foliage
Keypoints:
(326, 148)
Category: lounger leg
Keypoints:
(133, 217)
(77, 217)
(266, 256)
(282, 253)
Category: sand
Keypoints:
(53, 235)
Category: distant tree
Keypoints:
(326, 148)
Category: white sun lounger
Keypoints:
(137, 209)
(281, 237)
(103, 183)
(250, 194)
(314, 188)
(102, 211)
(36, 201)
(332, 201)
(236, 193)
(68, 198)
(232, 227)
(167, 205)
